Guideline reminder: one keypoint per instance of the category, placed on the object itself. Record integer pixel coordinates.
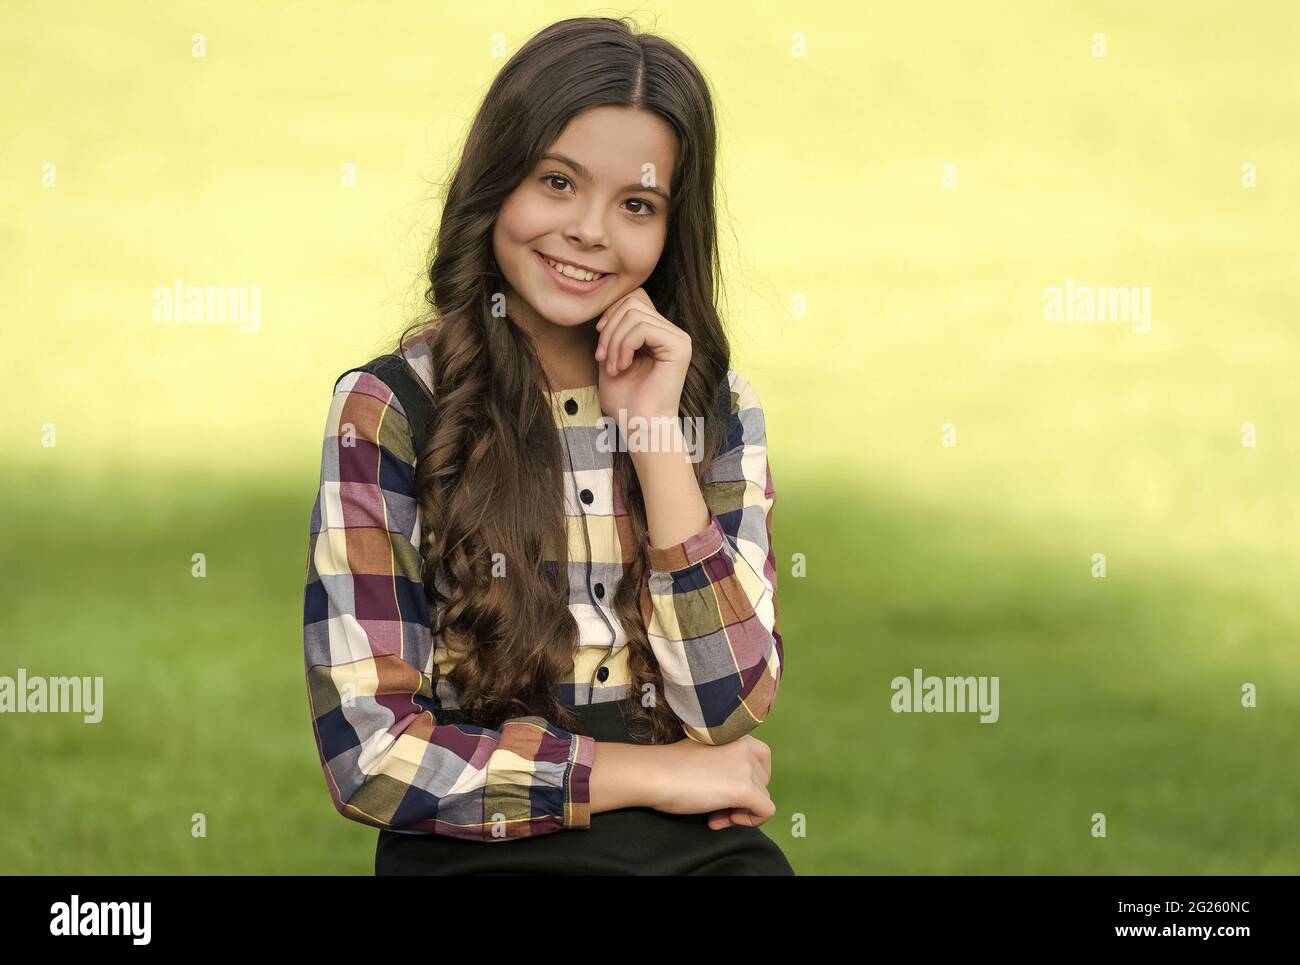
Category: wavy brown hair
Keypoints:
(490, 477)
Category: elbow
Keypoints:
(365, 756)
(749, 707)
(371, 796)
(353, 811)
(379, 801)
(362, 799)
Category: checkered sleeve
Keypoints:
(709, 602)
(368, 654)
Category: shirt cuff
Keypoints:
(692, 550)
(577, 808)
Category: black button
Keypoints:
(586, 496)
(602, 674)
(571, 406)
(600, 590)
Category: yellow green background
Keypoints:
(869, 305)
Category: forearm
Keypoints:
(625, 776)
(675, 507)
(709, 600)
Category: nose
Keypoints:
(588, 228)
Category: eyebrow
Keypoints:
(583, 172)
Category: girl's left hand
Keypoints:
(643, 359)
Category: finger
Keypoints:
(617, 305)
(762, 814)
(611, 323)
(636, 329)
(743, 817)
(635, 295)
(634, 337)
(720, 819)
(615, 352)
(740, 817)
(757, 809)
(610, 309)
(619, 311)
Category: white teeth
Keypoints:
(571, 272)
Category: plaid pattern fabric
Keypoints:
(375, 674)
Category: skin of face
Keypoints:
(604, 217)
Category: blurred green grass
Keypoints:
(1117, 695)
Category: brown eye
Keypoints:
(548, 178)
(646, 210)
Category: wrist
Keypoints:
(665, 452)
(625, 776)
(655, 772)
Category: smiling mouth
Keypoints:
(580, 282)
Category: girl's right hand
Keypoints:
(724, 779)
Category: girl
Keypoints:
(604, 635)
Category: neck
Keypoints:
(567, 352)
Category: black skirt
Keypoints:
(628, 841)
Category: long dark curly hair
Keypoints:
(490, 477)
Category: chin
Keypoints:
(566, 316)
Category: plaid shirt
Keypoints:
(375, 673)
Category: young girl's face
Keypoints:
(598, 198)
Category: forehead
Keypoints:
(613, 143)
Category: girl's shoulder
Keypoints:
(740, 396)
(416, 353)
(398, 381)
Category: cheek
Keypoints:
(523, 219)
(639, 255)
